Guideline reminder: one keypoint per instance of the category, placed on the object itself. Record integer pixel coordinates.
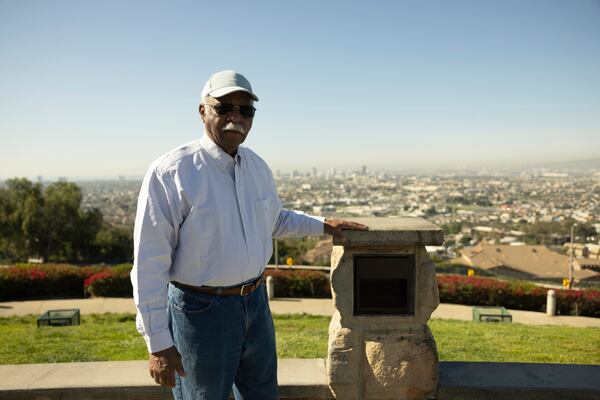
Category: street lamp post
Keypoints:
(571, 257)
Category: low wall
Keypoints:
(300, 379)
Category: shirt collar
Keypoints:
(222, 158)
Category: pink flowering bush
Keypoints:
(109, 283)
(60, 280)
(460, 289)
(28, 281)
(293, 283)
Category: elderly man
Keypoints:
(206, 215)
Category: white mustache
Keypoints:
(235, 127)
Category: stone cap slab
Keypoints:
(394, 231)
(511, 381)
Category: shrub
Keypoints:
(515, 294)
(300, 283)
(115, 282)
(109, 283)
(30, 281)
(578, 302)
(122, 267)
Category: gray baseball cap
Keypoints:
(225, 82)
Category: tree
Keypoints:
(465, 240)
(541, 232)
(21, 218)
(452, 227)
(583, 231)
(91, 222)
(70, 231)
(50, 224)
(114, 244)
(294, 248)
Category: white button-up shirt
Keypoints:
(204, 218)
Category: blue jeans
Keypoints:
(226, 342)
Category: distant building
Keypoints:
(508, 240)
(484, 229)
(439, 251)
(584, 250)
(581, 264)
(523, 262)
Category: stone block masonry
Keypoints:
(384, 291)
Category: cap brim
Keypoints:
(224, 91)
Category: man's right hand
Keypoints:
(164, 364)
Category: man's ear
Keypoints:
(202, 110)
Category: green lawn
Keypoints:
(113, 337)
(470, 341)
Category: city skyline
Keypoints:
(102, 89)
(589, 167)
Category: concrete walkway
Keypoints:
(130, 380)
(280, 306)
(300, 379)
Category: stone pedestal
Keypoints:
(379, 354)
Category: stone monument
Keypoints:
(384, 291)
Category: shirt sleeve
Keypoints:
(292, 223)
(155, 238)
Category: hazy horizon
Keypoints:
(580, 166)
(100, 89)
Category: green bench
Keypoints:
(491, 314)
(59, 318)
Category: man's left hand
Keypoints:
(334, 227)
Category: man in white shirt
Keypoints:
(206, 215)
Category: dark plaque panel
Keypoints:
(384, 285)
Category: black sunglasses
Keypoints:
(225, 108)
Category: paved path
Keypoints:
(300, 379)
(280, 306)
(130, 380)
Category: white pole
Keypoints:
(276, 254)
(571, 258)
(270, 287)
(550, 303)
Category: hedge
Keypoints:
(109, 284)
(43, 281)
(313, 284)
(518, 295)
(54, 281)
(287, 284)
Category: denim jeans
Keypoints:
(226, 343)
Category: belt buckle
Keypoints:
(245, 286)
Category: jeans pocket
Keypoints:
(192, 303)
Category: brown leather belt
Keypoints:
(239, 290)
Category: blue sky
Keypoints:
(90, 89)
